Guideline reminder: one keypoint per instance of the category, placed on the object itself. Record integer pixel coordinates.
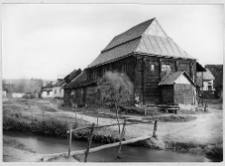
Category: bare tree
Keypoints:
(115, 89)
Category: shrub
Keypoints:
(115, 89)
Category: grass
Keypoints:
(171, 118)
(48, 125)
(212, 151)
(51, 125)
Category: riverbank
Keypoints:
(14, 151)
(48, 145)
(201, 135)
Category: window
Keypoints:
(124, 67)
(152, 68)
(94, 74)
(166, 68)
(209, 86)
(72, 93)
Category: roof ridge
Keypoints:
(150, 20)
(141, 27)
(121, 44)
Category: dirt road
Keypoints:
(206, 129)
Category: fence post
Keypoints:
(205, 106)
(121, 139)
(154, 130)
(89, 142)
(97, 117)
(70, 139)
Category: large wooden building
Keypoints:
(152, 60)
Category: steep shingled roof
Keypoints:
(146, 38)
(129, 35)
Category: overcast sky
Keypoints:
(50, 40)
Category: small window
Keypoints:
(95, 74)
(152, 67)
(166, 68)
(209, 87)
(125, 68)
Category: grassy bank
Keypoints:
(210, 150)
(171, 118)
(50, 125)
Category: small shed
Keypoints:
(177, 88)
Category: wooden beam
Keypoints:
(70, 140)
(121, 139)
(88, 127)
(80, 152)
(89, 142)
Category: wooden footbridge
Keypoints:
(90, 150)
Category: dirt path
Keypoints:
(206, 129)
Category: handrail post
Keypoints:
(121, 139)
(70, 140)
(97, 116)
(154, 130)
(89, 142)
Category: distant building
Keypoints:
(68, 80)
(17, 95)
(149, 57)
(217, 72)
(46, 91)
(4, 93)
(205, 80)
(58, 91)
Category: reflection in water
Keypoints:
(46, 145)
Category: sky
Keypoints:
(48, 41)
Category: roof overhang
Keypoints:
(199, 67)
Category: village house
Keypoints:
(68, 79)
(58, 88)
(205, 84)
(4, 90)
(160, 70)
(217, 72)
(4, 93)
(46, 90)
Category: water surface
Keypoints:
(46, 145)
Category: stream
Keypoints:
(46, 145)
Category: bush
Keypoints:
(215, 150)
